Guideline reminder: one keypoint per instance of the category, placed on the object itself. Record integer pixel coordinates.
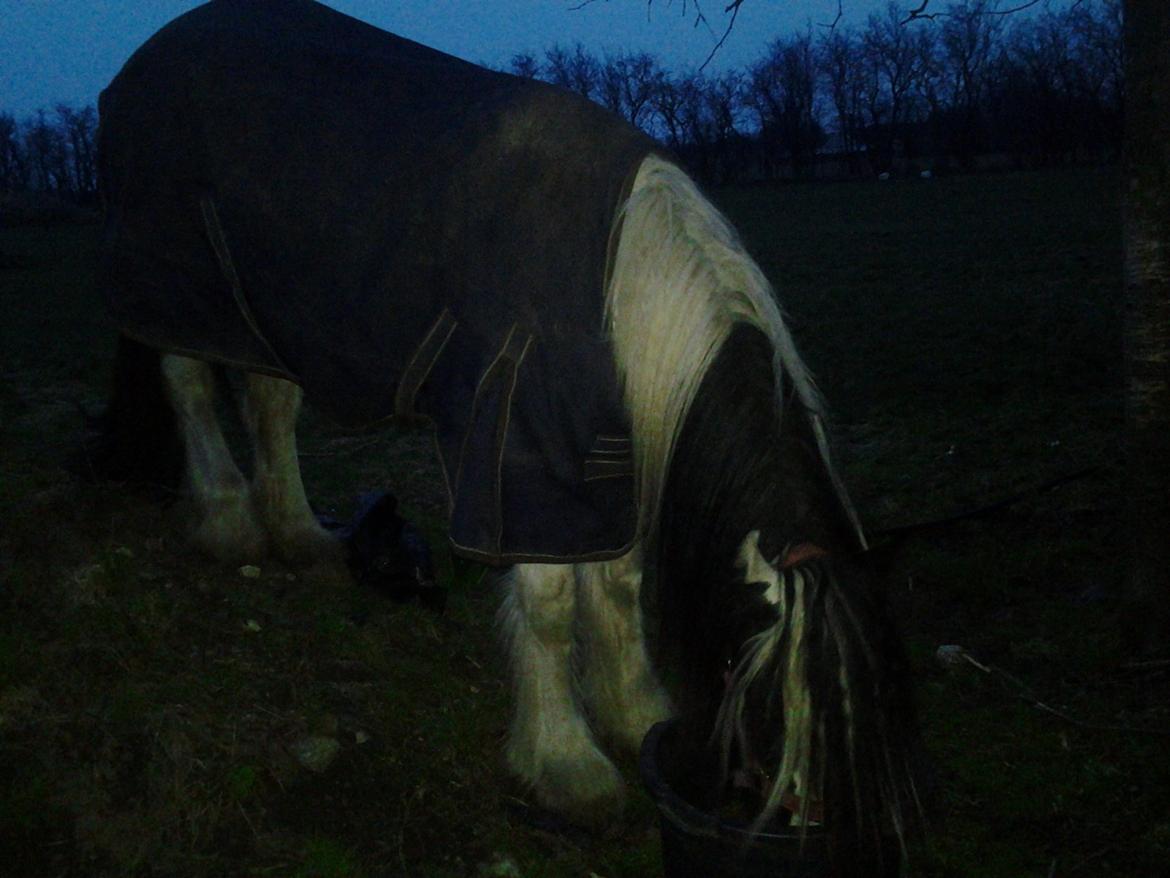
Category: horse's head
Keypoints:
(801, 714)
(792, 683)
(815, 717)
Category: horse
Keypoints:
(351, 218)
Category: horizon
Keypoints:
(66, 52)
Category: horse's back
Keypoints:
(354, 174)
(300, 128)
(291, 191)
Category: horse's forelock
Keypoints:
(819, 690)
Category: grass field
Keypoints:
(155, 708)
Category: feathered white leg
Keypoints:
(228, 529)
(270, 408)
(620, 688)
(550, 747)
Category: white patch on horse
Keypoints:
(620, 689)
(228, 528)
(237, 520)
(574, 636)
(550, 747)
(756, 567)
(270, 407)
(758, 660)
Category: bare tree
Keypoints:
(1042, 55)
(53, 154)
(699, 117)
(928, 103)
(48, 156)
(576, 70)
(723, 99)
(699, 128)
(1100, 27)
(78, 129)
(525, 64)
(844, 74)
(627, 83)
(13, 167)
(667, 101)
(895, 54)
(968, 37)
(1097, 79)
(782, 91)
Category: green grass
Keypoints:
(966, 332)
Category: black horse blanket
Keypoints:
(291, 191)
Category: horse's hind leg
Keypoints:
(620, 688)
(270, 410)
(550, 747)
(227, 529)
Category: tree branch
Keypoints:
(733, 8)
(921, 13)
(832, 26)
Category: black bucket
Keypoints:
(696, 844)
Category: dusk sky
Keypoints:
(66, 51)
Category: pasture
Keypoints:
(164, 715)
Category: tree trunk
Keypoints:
(1147, 321)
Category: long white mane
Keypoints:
(680, 280)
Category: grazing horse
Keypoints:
(346, 215)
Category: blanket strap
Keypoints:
(219, 244)
(420, 366)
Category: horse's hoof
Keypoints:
(595, 814)
(586, 794)
(231, 535)
(625, 724)
(307, 545)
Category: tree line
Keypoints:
(967, 88)
(53, 153)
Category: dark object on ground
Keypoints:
(387, 553)
(134, 440)
(697, 843)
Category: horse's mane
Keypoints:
(729, 437)
(680, 280)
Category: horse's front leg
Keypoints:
(227, 529)
(550, 747)
(620, 687)
(270, 408)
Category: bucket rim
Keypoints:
(697, 822)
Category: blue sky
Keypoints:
(67, 50)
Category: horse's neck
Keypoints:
(741, 464)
